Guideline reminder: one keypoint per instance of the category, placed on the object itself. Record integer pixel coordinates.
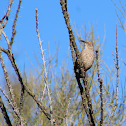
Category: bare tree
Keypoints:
(30, 100)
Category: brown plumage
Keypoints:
(87, 55)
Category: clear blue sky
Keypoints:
(52, 28)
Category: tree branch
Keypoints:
(15, 20)
(12, 99)
(44, 65)
(4, 111)
(117, 81)
(101, 84)
(7, 13)
(73, 48)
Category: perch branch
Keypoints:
(73, 48)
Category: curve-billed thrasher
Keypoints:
(86, 55)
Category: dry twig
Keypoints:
(101, 86)
(117, 82)
(15, 20)
(44, 65)
(7, 14)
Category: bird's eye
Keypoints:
(89, 42)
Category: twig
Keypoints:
(67, 110)
(44, 90)
(101, 84)
(1, 29)
(5, 16)
(4, 111)
(15, 20)
(6, 38)
(44, 64)
(117, 7)
(117, 81)
(121, 23)
(113, 58)
(7, 13)
(122, 12)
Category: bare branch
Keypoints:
(117, 7)
(7, 13)
(10, 89)
(9, 46)
(1, 29)
(15, 20)
(44, 90)
(122, 10)
(4, 111)
(66, 115)
(44, 64)
(7, 79)
(121, 23)
(101, 86)
(6, 38)
(113, 58)
(117, 81)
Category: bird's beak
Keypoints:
(84, 41)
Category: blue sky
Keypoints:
(53, 29)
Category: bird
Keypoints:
(86, 56)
